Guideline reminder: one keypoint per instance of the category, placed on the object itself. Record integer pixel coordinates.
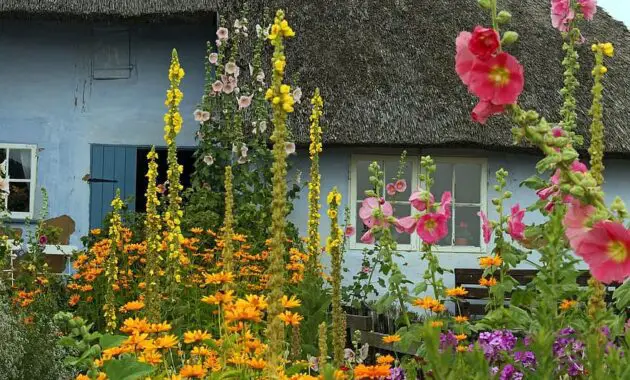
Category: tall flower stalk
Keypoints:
(172, 217)
(228, 229)
(152, 225)
(111, 263)
(323, 344)
(314, 186)
(333, 246)
(596, 149)
(282, 104)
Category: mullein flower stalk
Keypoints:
(323, 344)
(111, 263)
(173, 215)
(228, 228)
(596, 302)
(314, 187)
(296, 348)
(282, 105)
(571, 83)
(152, 225)
(333, 247)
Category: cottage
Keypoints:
(84, 86)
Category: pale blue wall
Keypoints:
(334, 171)
(49, 99)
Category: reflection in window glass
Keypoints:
(19, 197)
(443, 179)
(467, 177)
(363, 178)
(19, 163)
(467, 226)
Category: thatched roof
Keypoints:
(386, 67)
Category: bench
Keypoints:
(473, 304)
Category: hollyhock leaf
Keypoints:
(534, 182)
(621, 295)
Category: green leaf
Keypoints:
(534, 182)
(109, 341)
(621, 295)
(421, 287)
(126, 368)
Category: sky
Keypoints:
(619, 9)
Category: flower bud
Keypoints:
(508, 194)
(485, 4)
(578, 191)
(504, 17)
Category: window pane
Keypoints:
(467, 226)
(391, 173)
(467, 183)
(448, 239)
(363, 178)
(443, 179)
(19, 163)
(3, 155)
(402, 210)
(19, 197)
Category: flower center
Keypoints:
(430, 224)
(617, 251)
(499, 75)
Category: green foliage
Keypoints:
(127, 368)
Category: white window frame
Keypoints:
(32, 180)
(414, 161)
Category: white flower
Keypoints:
(230, 68)
(213, 58)
(244, 150)
(251, 69)
(218, 42)
(228, 88)
(205, 116)
(242, 159)
(235, 148)
(217, 86)
(289, 147)
(237, 24)
(208, 159)
(297, 95)
(197, 114)
(245, 101)
(262, 127)
(223, 34)
(260, 77)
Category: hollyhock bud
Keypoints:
(484, 42)
(509, 38)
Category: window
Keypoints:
(18, 163)
(466, 178)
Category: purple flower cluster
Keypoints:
(510, 373)
(396, 373)
(495, 342)
(448, 340)
(526, 358)
(569, 352)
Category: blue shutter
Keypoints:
(111, 167)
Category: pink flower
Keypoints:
(374, 210)
(485, 227)
(217, 86)
(43, 240)
(223, 34)
(349, 231)
(432, 227)
(401, 185)
(244, 101)
(606, 250)
(575, 223)
(484, 42)
(213, 58)
(390, 188)
(201, 116)
(515, 225)
(445, 204)
(498, 80)
(417, 200)
(228, 88)
(553, 190)
(557, 132)
(406, 224)
(561, 14)
(367, 237)
(589, 8)
(230, 68)
(464, 58)
(484, 109)
(365, 269)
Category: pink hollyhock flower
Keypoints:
(406, 224)
(484, 42)
(245, 101)
(589, 8)
(557, 132)
(365, 269)
(401, 185)
(213, 58)
(349, 231)
(367, 238)
(445, 204)
(464, 58)
(217, 86)
(553, 190)
(485, 227)
(418, 202)
(43, 240)
(575, 222)
(484, 109)
(432, 227)
(371, 207)
(606, 250)
(498, 80)
(228, 87)
(561, 14)
(223, 34)
(515, 225)
(390, 189)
